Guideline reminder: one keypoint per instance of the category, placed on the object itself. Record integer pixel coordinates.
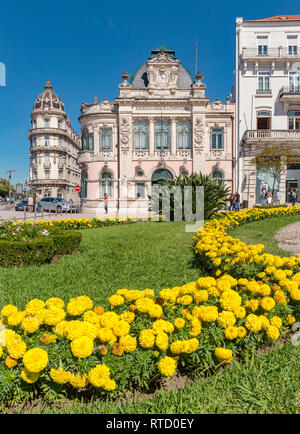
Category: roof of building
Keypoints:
(139, 79)
(277, 18)
(48, 100)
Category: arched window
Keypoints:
(160, 176)
(263, 120)
(106, 185)
(218, 176)
(84, 178)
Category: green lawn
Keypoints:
(263, 232)
(158, 255)
(135, 256)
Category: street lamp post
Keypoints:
(9, 178)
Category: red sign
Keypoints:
(77, 187)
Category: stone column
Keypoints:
(151, 136)
(173, 136)
(96, 140)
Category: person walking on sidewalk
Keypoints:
(105, 203)
(237, 201)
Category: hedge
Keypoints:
(39, 250)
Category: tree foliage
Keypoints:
(4, 187)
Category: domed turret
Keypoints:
(48, 100)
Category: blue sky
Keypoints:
(84, 46)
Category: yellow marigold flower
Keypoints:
(1, 352)
(108, 319)
(116, 300)
(76, 329)
(226, 318)
(35, 360)
(155, 311)
(240, 312)
(264, 321)
(214, 291)
(35, 305)
(276, 321)
(105, 335)
(273, 332)
(16, 348)
(253, 323)
(179, 323)
(200, 295)
(267, 303)
(128, 316)
(28, 376)
(82, 347)
(91, 316)
(230, 300)
(55, 302)
(30, 324)
(223, 354)
(8, 310)
(129, 343)
(253, 304)
(206, 313)
(279, 297)
(185, 300)
(78, 305)
(60, 376)
(10, 362)
(16, 318)
(295, 294)
(147, 338)
(167, 366)
(217, 262)
(162, 341)
(121, 328)
(78, 381)
(60, 328)
(162, 325)
(218, 272)
(54, 315)
(99, 375)
(231, 332)
(241, 332)
(290, 319)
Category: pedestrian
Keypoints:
(236, 204)
(278, 197)
(231, 201)
(30, 204)
(269, 198)
(105, 203)
(294, 197)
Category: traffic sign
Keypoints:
(77, 187)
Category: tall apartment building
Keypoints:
(267, 96)
(54, 147)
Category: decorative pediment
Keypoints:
(162, 71)
(103, 106)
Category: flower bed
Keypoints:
(249, 299)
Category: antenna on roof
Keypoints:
(196, 66)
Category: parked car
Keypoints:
(56, 204)
(19, 206)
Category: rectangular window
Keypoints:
(47, 122)
(162, 135)
(105, 138)
(34, 142)
(60, 143)
(217, 138)
(34, 124)
(141, 135)
(47, 141)
(47, 158)
(294, 81)
(184, 135)
(47, 174)
(263, 81)
(140, 190)
(59, 123)
(262, 45)
(292, 44)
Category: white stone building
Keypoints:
(54, 148)
(267, 96)
(161, 125)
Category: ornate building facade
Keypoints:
(54, 148)
(267, 95)
(161, 126)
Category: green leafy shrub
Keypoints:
(271, 206)
(67, 242)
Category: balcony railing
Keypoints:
(271, 53)
(271, 135)
(47, 165)
(290, 91)
(263, 92)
